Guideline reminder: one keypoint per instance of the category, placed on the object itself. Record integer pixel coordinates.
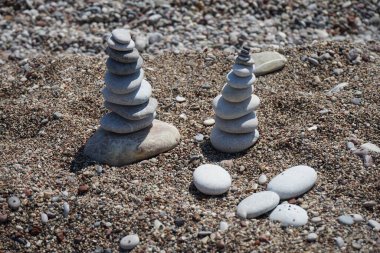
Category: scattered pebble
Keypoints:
(339, 242)
(223, 226)
(371, 147)
(209, 122)
(312, 237)
(374, 224)
(82, 189)
(346, 219)
(337, 88)
(158, 225)
(316, 219)
(57, 115)
(370, 204)
(129, 242)
(14, 203)
(263, 179)
(44, 218)
(212, 179)
(199, 137)
(66, 209)
(357, 217)
(180, 99)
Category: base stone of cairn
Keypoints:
(130, 132)
(236, 121)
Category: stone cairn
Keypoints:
(129, 132)
(236, 122)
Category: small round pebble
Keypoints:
(312, 237)
(263, 179)
(209, 122)
(66, 209)
(346, 219)
(339, 242)
(129, 242)
(212, 179)
(44, 218)
(14, 203)
(223, 226)
(199, 137)
(180, 99)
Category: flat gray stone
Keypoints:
(232, 143)
(242, 70)
(289, 215)
(245, 124)
(123, 56)
(236, 95)
(134, 112)
(268, 62)
(121, 149)
(257, 204)
(119, 68)
(124, 84)
(293, 182)
(240, 82)
(112, 43)
(121, 35)
(114, 123)
(136, 97)
(227, 110)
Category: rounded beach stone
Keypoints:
(114, 123)
(121, 35)
(268, 62)
(242, 70)
(211, 179)
(227, 110)
(118, 150)
(289, 215)
(133, 112)
(240, 82)
(14, 203)
(129, 242)
(236, 95)
(124, 84)
(257, 204)
(123, 56)
(232, 143)
(136, 97)
(346, 219)
(293, 182)
(112, 43)
(245, 124)
(119, 68)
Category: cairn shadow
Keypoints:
(80, 161)
(214, 155)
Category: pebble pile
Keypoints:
(236, 122)
(129, 132)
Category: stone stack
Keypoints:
(129, 132)
(236, 122)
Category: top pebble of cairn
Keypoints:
(121, 35)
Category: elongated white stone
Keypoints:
(257, 204)
(227, 110)
(134, 112)
(114, 123)
(236, 95)
(245, 124)
(124, 84)
(136, 97)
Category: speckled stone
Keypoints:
(136, 97)
(289, 215)
(119, 68)
(232, 143)
(121, 149)
(236, 95)
(124, 84)
(129, 242)
(112, 43)
(123, 56)
(240, 82)
(134, 112)
(245, 124)
(227, 110)
(114, 123)
(14, 203)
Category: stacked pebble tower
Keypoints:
(127, 93)
(236, 122)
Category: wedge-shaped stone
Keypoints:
(136, 97)
(123, 56)
(227, 110)
(268, 62)
(119, 68)
(124, 84)
(114, 123)
(232, 143)
(245, 124)
(134, 112)
(121, 149)
(236, 95)
(240, 82)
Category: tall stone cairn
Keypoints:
(236, 121)
(129, 132)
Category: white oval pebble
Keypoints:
(263, 179)
(293, 182)
(374, 224)
(312, 237)
(66, 209)
(44, 218)
(211, 179)
(289, 215)
(257, 204)
(180, 99)
(129, 242)
(209, 122)
(357, 217)
(223, 226)
(346, 220)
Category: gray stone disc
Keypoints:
(245, 124)
(236, 95)
(119, 68)
(240, 82)
(136, 97)
(123, 56)
(134, 112)
(124, 84)
(120, 47)
(114, 123)
(227, 110)
(232, 143)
